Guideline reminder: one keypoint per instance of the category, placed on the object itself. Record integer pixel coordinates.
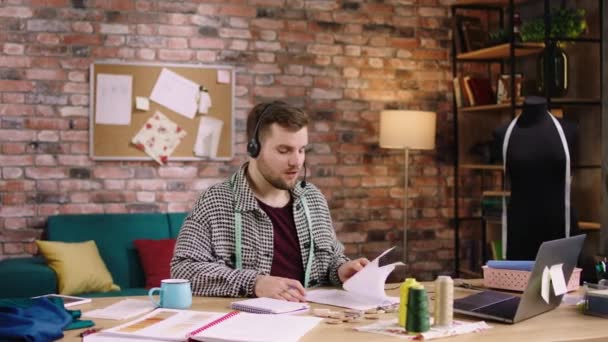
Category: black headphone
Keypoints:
(254, 146)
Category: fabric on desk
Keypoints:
(37, 319)
(520, 265)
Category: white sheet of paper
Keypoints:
(176, 93)
(223, 76)
(142, 103)
(364, 290)
(113, 99)
(208, 137)
(553, 276)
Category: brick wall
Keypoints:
(343, 61)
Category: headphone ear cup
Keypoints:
(253, 148)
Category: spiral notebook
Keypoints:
(235, 326)
(269, 306)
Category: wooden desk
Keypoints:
(561, 324)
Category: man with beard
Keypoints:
(263, 232)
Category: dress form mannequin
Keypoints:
(536, 173)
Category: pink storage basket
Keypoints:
(518, 280)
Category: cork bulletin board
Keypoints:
(114, 141)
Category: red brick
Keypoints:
(319, 49)
(15, 61)
(81, 209)
(45, 74)
(16, 160)
(235, 33)
(17, 211)
(13, 98)
(177, 43)
(206, 56)
(16, 12)
(175, 55)
(17, 135)
(74, 136)
(45, 173)
(16, 109)
(13, 49)
(237, 11)
(181, 31)
(114, 29)
(73, 87)
(112, 172)
(270, 92)
(12, 172)
(10, 85)
(269, 24)
(178, 172)
(206, 43)
(146, 185)
(82, 26)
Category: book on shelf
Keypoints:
(482, 91)
(189, 325)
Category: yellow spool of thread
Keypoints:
(403, 297)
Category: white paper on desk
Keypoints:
(176, 93)
(113, 99)
(553, 276)
(125, 309)
(364, 290)
(204, 102)
(208, 137)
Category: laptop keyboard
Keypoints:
(504, 309)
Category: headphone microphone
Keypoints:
(303, 183)
(254, 146)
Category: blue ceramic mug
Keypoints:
(174, 294)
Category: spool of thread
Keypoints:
(403, 298)
(417, 311)
(444, 301)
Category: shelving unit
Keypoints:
(584, 105)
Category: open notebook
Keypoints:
(181, 325)
(264, 305)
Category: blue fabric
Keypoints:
(34, 320)
(520, 265)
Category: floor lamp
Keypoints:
(407, 129)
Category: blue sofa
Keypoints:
(114, 235)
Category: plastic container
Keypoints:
(515, 280)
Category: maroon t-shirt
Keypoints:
(287, 260)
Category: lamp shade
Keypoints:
(407, 128)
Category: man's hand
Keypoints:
(279, 288)
(348, 269)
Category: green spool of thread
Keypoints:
(417, 311)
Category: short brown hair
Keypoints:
(279, 112)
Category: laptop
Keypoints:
(508, 308)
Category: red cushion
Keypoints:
(155, 257)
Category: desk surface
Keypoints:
(561, 324)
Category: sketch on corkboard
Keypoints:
(161, 112)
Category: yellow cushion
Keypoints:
(78, 265)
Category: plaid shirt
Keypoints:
(205, 249)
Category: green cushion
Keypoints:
(175, 222)
(135, 291)
(26, 277)
(114, 235)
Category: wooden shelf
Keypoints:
(582, 225)
(502, 51)
(488, 2)
(575, 101)
(495, 193)
(492, 107)
(481, 167)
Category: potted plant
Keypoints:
(565, 23)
